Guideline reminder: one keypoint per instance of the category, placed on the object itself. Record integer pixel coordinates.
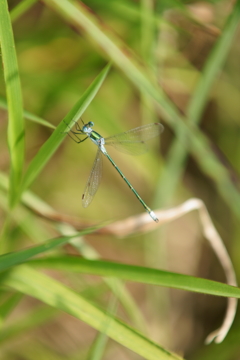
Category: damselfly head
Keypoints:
(87, 129)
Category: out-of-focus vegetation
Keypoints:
(174, 62)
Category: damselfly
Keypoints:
(130, 142)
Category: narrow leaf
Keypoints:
(11, 259)
(8, 306)
(213, 65)
(16, 127)
(54, 141)
(139, 274)
(51, 292)
(35, 203)
(177, 154)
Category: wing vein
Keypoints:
(93, 180)
(133, 141)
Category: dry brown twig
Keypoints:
(143, 223)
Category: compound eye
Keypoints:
(91, 124)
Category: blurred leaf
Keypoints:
(9, 260)
(27, 322)
(21, 8)
(26, 221)
(78, 15)
(228, 349)
(99, 345)
(131, 12)
(8, 305)
(16, 128)
(51, 292)
(139, 274)
(177, 154)
(28, 115)
(54, 141)
(214, 64)
(147, 29)
(34, 202)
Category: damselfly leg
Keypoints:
(75, 133)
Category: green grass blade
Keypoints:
(148, 42)
(213, 65)
(21, 8)
(26, 221)
(147, 29)
(27, 115)
(99, 345)
(139, 274)
(8, 306)
(31, 320)
(177, 154)
(49, 291)
(16, 126)
(54, 141)
(131, 12)
(78, 15)
(12, 259)
(35, 203)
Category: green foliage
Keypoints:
(59, 50)
(12, 259)
(53, 293)
(54, 141)
(16, 128)
(139, 274)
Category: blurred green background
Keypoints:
(175, 42)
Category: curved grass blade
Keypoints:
(15, 258)
(51, 292)
(16, 127)
(197, 143)
(139, 274)
(83, 248)
(54, 141)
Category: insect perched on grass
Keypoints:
(131, 142)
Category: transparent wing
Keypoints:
(133, 141)
(93, 180)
